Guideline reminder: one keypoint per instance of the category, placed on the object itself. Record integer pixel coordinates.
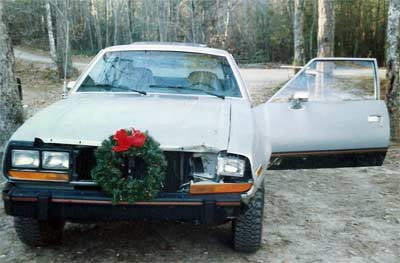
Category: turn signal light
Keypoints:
(219, 188)
(38, 176)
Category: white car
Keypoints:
(193, 101)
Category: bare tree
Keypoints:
(115, 10)
(325, 28)
(298, 36)
(107, 31)
(192, 13)
(228, 15)
(96, 22)
(393, 68)
(64, 61)
(52, 43)
(160, 20)
(11, 114)
(88, 22)
(311, 33)
(129, 11)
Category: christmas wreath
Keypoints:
(130, 166)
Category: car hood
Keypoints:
(177, 122)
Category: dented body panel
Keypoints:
(179, 122)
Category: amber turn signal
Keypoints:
(26, 175)
(219, 188)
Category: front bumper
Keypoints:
(89, 205)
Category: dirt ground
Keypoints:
(325, 215)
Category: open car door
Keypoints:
(329, 115)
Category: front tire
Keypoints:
(35, 232)
(247, 228)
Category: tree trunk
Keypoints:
(11, 114)
(88, 23)
(160, 9)
(115, 12)
(96, 23)
(393, 68)
(64, 61)
(298, 33)
(325, 28)
(228, 15)
(312, 30)
(130, 20)
(107, 36)
(192, 13)
(52, 44)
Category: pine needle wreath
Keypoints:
(111, 160)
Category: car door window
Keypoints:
(332, 80)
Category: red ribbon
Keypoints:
(125, 141)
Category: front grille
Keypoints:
(84, 163)
(177, 172)
(134, 168)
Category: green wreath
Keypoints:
(112, 159)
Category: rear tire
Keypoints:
(247, 228)
(35, 232)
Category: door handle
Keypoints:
(374, 118)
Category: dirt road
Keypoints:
(21, 54)
(326, 215)
(331, 215)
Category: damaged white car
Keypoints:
(192, 100)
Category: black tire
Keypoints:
(35, 232)
(247, 228)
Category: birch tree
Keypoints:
(52, 43)
(88, 22)
(325, 28)
(96, 22)
(192, 13)
(64, 60)
(298, 36)
(11, 114)
(393, 68)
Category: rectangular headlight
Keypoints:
(55, 160)
(24, 159)
(230, 166)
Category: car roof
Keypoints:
(170, 46)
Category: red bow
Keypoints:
(125, 141)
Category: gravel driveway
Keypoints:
(325, 215)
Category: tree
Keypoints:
(52, 45)
(325, 28)
(393, 68)
(64, 60)
(255, 31)
(298, 36)
(96, 22)
(11, 114)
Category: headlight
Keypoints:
(25, 159)
(55, 160)
(230, 166)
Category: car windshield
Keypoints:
(162, 72)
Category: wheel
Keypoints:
(35, 232)
(247, 227)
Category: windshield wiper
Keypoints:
(109, 87)
(188, 88)
(131, 89)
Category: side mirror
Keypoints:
(70, 85)
(67, 88)
(301, 95)
(298, 99)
